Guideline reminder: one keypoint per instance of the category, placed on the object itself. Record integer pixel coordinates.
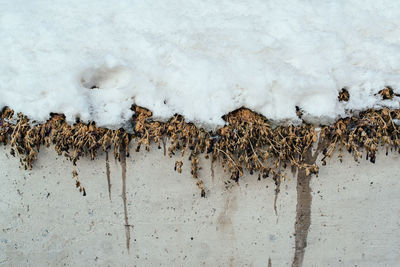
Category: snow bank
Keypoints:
(201, 59)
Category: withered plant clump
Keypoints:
(74, 141)
(364, 133)
(344, 95)
(387, 93)
(247, 142)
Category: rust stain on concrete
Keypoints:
(108, 175)
(127, 225)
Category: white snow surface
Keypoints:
(198, 58)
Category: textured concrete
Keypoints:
(45, 221)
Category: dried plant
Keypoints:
(78, 183)
(368, 131)
(344, 95)
(247, 143)
(387, 93)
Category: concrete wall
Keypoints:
(354, 212)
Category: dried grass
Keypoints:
(248, 142)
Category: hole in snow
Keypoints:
(106, 77)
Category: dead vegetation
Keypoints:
(387, 93)
(247, 143)
(364, 133)
(344, 95)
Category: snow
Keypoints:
(201, 59)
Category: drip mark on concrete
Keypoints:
(224, 220)
(277, 190)
(303, 207)
(212, 169)
(303, 216)
(269, 262)
(293, 169)
(127, 225)
(108, 175)
(165, 149)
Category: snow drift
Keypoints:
(202, 59)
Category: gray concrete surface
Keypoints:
(45, 221)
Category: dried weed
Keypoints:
(246, 143)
